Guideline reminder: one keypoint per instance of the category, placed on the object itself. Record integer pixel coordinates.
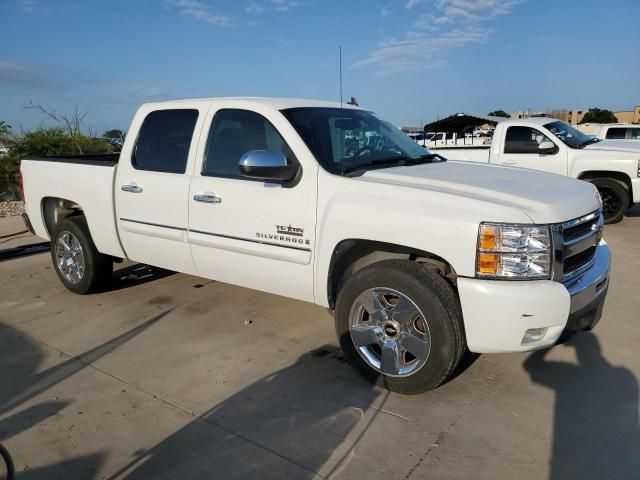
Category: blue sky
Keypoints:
(411, 61)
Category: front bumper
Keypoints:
(635, 187)
(497, 313)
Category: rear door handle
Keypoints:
(207, 198)
(132, 188)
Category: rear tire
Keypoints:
(615, 198)
(435, 319)
(79, 265)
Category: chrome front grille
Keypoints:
(574, 245)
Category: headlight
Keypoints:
(513, 251)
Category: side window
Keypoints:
(616, 133)
(234, 133)
(523, 140)
(635, 134)
(164, 140)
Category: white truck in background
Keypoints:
(619, 131)
(420, 258)
(553, 146)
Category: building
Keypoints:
(574, 117)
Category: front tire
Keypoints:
(79, 265)
(400, 325)
(615, 198)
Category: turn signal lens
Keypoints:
(488, 237)
(488, 263)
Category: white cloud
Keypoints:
(32, 6)
(199, 11)
(272, 5)
(454, 11)
(385, 11)
(442, 25)
(419, 51)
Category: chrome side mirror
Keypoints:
(267, 165)
(547, 148)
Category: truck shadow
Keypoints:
(286, 425)
(22, 380)
(596, 425)
(137, 274)
(633, 212)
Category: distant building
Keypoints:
(574, 117)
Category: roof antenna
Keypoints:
(340, 76)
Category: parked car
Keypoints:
(619, 131)
(418, 257)
(554, 146)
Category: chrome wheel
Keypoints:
(70, 257)
(389, 332)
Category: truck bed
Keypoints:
(83, 180)
(478, 153)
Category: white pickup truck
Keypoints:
(420, 258)
(551, 145)
(619, 131)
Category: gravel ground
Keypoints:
(11, 209)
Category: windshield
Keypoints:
(345, 139)
(570, 136)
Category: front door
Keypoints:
(521, 149)
(246, 232)
(152, 186)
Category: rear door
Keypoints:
(248, 232)
(152, 185)
(521, 149)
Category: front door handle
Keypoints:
(132, 188)
(207, 198)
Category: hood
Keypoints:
(632, 146)
(543, 197)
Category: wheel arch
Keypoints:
(594, 174)
(55, 209)
(351, 255)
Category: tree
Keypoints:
(597, 115)
(499, 113)
(49, 142)
(5, 132)
(71, 123)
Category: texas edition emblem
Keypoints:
(286, 233)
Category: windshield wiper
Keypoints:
(397, 161)
(588, 142)
(428, 158)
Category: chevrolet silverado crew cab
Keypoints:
(551, 145)
(420, 258)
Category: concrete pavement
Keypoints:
(173, 376)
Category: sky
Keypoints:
(410, 61)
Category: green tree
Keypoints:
(597, 115)
(5, 131)
(49, 142)
(499, 113)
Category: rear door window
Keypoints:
(634, 133)
(164, 140)
(616, 133)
